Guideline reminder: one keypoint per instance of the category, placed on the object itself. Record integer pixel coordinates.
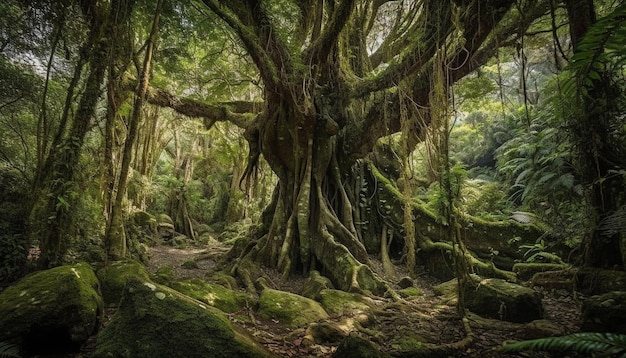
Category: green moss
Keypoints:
(410, 292)
(62, 299)
(525, 271)
(289, 308)
(314, 284)
(355, 346)
(217, 296)
(156, 321)
(225, 280)
(164, 275)
(337, 302)
(113, 279)
(407, 343)
(190, 265)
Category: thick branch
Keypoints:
(251, 41)
(239, 113)
(322, 45)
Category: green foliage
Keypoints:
(13, 236)
(9, 350)
(595, 344)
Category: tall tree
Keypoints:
(330, 84)
(66, 149)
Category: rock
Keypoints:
(156, 321)
(289, 308)
(555, 280)
(448, 291)
(339, 303)
(220, 297)
(525, 271)
(405, 282)
(496, 298)
(113, 279)
(605, 313)
(410, 292)
(314, 284)
(51, 311)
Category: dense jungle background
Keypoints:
(347, 178)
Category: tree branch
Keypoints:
(328, 38)
(262, 59)
(239, 113)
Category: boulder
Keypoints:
(157, 321)
(289, 308)
(525, 271)
(220, 297)
(496, 298)
(605, 313)
(314, 284)
(51, 311)
(341, 303)
(114, 277)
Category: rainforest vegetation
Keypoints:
(368, 146)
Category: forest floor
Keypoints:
(427, 316)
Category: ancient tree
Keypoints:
(334, 75)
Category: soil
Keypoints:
(427, 316)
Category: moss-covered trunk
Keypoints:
(311, 225)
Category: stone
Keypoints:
(314, 284)
(157, 321)
(605, 313)
(525, 271)
(499, 299)
(114, 277)
(405, 282)
(220, 297)
(340, 303)
(289, 308)
(53, 311)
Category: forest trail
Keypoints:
(427, 316)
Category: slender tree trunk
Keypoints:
(54, 238)
(115, 240)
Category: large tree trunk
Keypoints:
(312, 225)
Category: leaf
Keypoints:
(607, 344)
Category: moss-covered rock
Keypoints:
(289, 308)
(314, 284)
(605, 313)
(525, 271)
(215, 295)
(410, 292)
(338, 303)
(51, 311)
(156, 321)
(113, 279)
(503, 300)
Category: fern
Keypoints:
(9, 350)
(599, 344)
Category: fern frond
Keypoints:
(605, 344)
(9, 350)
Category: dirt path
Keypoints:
(426, 316)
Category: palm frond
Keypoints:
(9, 350)
(605, 344)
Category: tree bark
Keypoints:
(115, 239)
